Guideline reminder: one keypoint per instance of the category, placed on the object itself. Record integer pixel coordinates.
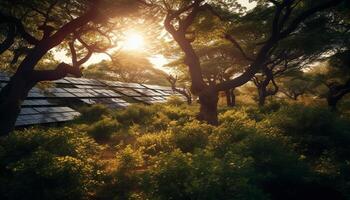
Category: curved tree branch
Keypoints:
(61, 71)
(19, 28)
(238, 46)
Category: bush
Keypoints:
(136, 113)
(159, 122)
(103, 129)
(315, 129)
(154, 143)
(226, 135)
(283, 152)
(190, 136)
(49, 164)
(181, 114)
(175, 101)
(178, 175)
(93, 113)
(124, 179)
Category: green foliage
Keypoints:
(280, 151)
(175, 101)
(316, 129)
(49, 164)
(191, 135)
(154, 143)
(103, 129)
(180, 175)
(127, 66)
(135, 113)
(93, 113)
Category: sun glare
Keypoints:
(134, 41)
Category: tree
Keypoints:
(285, 20)
(296, 85)
(219, 62)
(184, 91)
(336, 58)
(40, 26)
(339, 82)
(286, 64)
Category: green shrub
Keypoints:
(191, 135)
(315, 129)
(226, 135)
(136, 113)
(49, 164)
(181, 114)
(128, 158)
(93, 113)
(154, 143)
(159, 122)
(102, 130)
(175, 101)
(178, 175)
(283, 152)
(124, 179)
(272, 106)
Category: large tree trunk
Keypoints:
(230, 98)
(261, 97)
(189, 100)
(11, 98)
(208, 100)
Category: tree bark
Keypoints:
(261, 97)
(233, 98)
(11, 98)
(208, 100)
(230, 98)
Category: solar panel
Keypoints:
(83, 81)
(157, 87)
(27, 111)
(63, 94)
(122, 84)
(133, 85)
(4, 77)
(165, 92)
(147, 92)
(53, 109)
(36, 93)
(23, 120)
(37, 108)
(110, 102)
(147, 100)
(88, 86)
(114, 83)
(128, 92)
(39, 115)
(88, 92)
(61, 81)
(107, 93)
(2, 84)
(37, 102)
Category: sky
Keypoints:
(134, 42)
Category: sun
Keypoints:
(134, 41)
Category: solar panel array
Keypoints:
(52, 104)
